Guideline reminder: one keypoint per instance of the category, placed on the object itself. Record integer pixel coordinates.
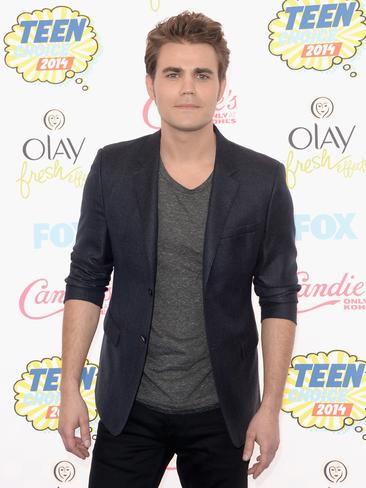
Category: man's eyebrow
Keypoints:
(176, 69)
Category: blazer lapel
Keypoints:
(145, 183)
(223, 191)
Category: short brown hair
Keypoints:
(190, 27)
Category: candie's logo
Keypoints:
(225, 112)
(38, 395)
(39, 300)
(326, 390)
(50, 45)
(347, 292)
(317, 35)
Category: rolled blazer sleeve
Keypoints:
(275, 275)
(91, 258)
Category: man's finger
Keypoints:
(71, 444)
(259, 467)
(81, 451)
(256, 469)
(76, 447)
(85, 433)
(253, 468)
(80, 445)
(67, 435)
(249, 446)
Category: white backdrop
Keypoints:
(297, 96)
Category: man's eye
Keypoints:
(202, 76)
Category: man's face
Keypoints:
(186, 87)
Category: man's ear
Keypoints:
(150, 86)
(222, 88)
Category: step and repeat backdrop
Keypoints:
(72, 80)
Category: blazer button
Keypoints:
(150, 291)
(143, 338)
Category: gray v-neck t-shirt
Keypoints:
(178, 376)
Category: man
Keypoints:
(187, 220)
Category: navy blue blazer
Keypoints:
(249, 237)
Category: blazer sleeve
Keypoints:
(91, 258)
(275, 276)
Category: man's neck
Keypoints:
(187, 148)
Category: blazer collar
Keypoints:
(150, 152)
(223, 191)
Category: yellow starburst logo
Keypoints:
(50, 45)
(326, 390)
(38, 396)
(317, 35)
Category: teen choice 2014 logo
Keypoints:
(38, 395)
(316, 34)
(50, 44)
(326, 390)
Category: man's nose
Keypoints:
(187, 86)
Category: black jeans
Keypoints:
(138, 457)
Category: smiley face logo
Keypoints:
(64, 471)
(335, 471)
(322, 107)
(54, 119)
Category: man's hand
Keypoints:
(264, 429)
(74, 414)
